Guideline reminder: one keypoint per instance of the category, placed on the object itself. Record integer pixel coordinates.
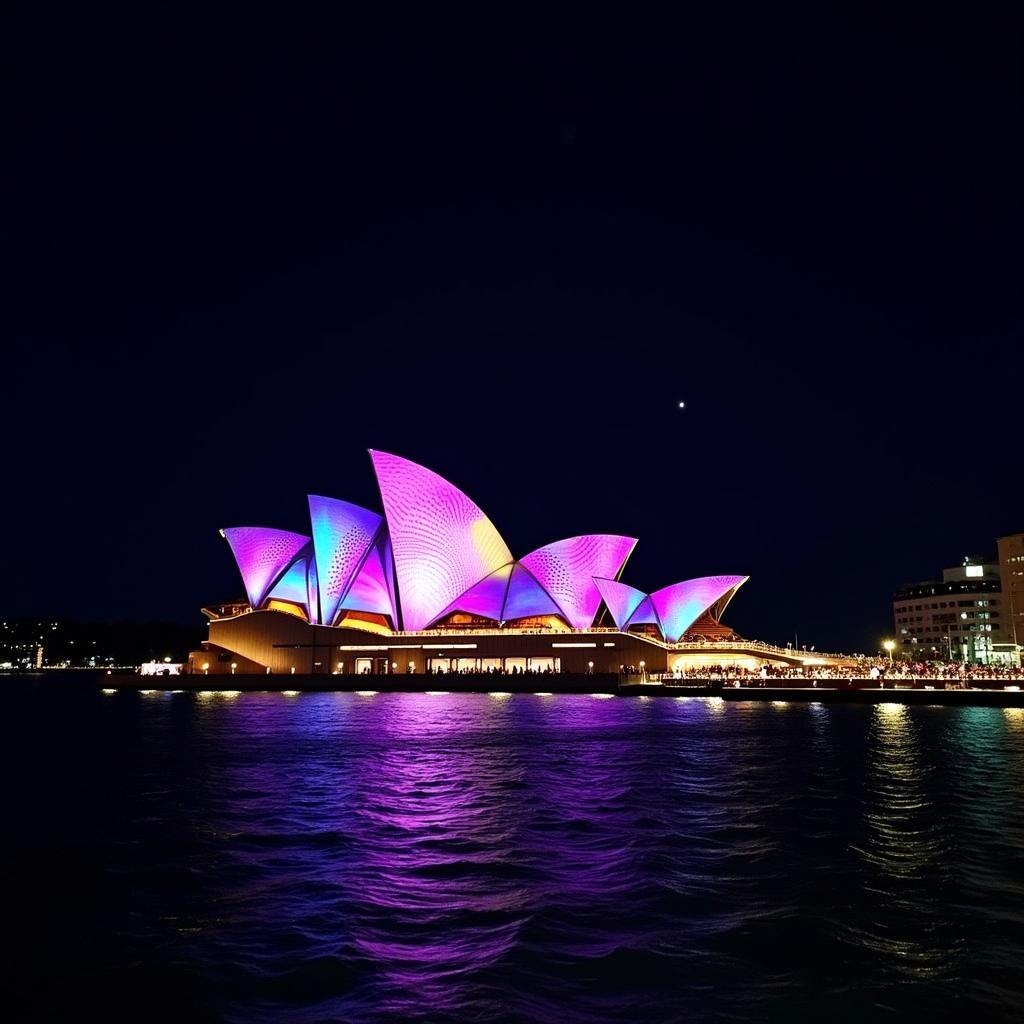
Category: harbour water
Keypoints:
(393, 857)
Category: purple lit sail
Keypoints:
(294, 585)
(526, 597)
(645, 615)
(312, 591)
(681, 604)
(486, 599)
(566, 570)
(263, 554)
(342, 533)
(442, 542)
(387, 561)
(622, 600)
(370, 591)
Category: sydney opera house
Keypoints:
(430, 585)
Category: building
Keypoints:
(429, 585)
(957, 618)
(1011, 573)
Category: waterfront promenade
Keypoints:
(987, 692)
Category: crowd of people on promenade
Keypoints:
(495, 670)
(879, 669)
(875, 669)
(943, 670)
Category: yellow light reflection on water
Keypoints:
(290, 693)
(499, 695)
(109, 692)
(366, 693)
(892, 710)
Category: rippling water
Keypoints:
(471, 857)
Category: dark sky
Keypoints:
(505, 241)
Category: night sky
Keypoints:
(505, 241)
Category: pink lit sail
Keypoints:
(526, 598)
(622, 600)
(262, 554)
(681, 604)
(486, 599)
(342, 533)
(370, 591)
(442, 542)
(566, 570)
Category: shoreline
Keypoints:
(795, 690)
(970, 697)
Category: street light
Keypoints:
(890, 646)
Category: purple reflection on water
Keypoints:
(265, 857)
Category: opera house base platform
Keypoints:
(278, 643)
